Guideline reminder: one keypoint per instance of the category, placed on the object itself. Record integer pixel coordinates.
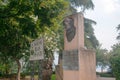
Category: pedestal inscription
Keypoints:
(70, 60)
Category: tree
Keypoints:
(16, 26)
(84, 4)
(115, 60)
(91, 41)
(5, 64)
(114, 57)
(101, 58)
(23, 21)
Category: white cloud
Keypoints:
(110, 6)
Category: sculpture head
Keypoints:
(70, 29)
(68, 23)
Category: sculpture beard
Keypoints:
(70, 29)
(70, 33)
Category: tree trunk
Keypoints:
(47, 69)
(19, 68)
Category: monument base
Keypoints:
(87, 67)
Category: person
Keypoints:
(70, 28)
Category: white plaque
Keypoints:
(37, 49)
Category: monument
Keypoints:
(77, 62)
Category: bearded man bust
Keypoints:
(70, 28)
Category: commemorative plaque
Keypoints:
(70, 60)
(37, 50)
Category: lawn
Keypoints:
(53, 77)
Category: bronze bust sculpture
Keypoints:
(70, 28)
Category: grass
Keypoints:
(53, 77)
(36, 76)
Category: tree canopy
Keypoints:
(84, 4)
(91, 41)
(101, 58)
(25, 20)
(115, 60)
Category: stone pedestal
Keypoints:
(78, 63)
(87, 67)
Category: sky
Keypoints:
(107, 15)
